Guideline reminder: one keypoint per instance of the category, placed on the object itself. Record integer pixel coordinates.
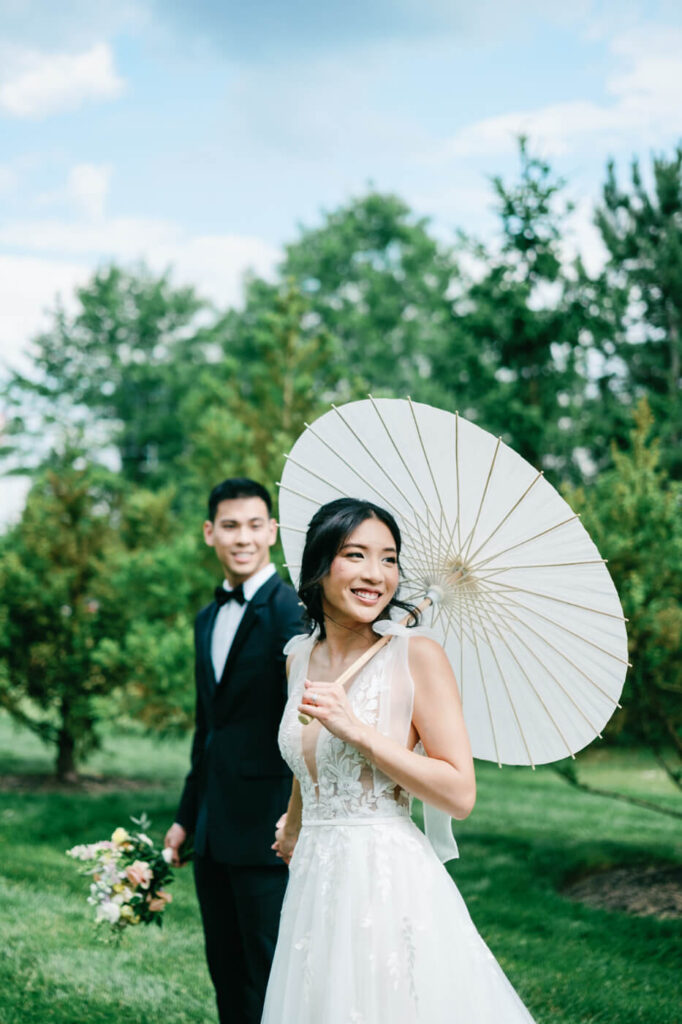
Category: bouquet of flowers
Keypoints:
(128, 877)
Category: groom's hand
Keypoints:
(284, 841)
(175, 837)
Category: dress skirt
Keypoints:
(374, 931)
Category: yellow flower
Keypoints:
(120, 836)
(118, 887)
(128, 914)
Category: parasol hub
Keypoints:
(434, 594)
(458, 574)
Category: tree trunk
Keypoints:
(66, 760)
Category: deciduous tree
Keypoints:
(641, 225)
(634, 513)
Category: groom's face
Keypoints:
(242, 534)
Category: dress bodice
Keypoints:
(347, 784)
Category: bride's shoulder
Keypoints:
(424, 645)
(419, 641)
(426, 657)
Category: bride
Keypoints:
(373, 929)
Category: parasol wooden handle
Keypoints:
(368, 655)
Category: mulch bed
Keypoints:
(644, 891)
(11, 783)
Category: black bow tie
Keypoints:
(222, 596)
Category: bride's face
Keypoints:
(363, 577)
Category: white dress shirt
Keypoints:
(229, 617)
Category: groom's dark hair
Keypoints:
(236, 487)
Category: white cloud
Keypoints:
(88, 188)
(216, 264)
(85, 191)
(29, 283)
(28, 287)
(39, 84)
(126, 237)
(13, 491)
(8, 178)
(645, 105)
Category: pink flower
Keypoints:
(159, 902)
(139, 873)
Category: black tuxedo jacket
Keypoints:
(238, 784)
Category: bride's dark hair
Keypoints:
(327, 532)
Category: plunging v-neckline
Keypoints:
(314, 728)
(309, 754)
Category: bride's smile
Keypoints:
(363, 576)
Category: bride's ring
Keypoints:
(313, 698)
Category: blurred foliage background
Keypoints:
(138, 403)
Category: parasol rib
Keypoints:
(428, 461)
(487, 701)
(509, 588)
(469, 637)
(562, 654)
(578, 636)
(407, 469)
(549, 672)
(461, 651)
(459, 510)
(306, 497)
(378, 464)
(470, 539)
(508, 514)
(538, 565)
(371, 486)
(527, 540)
(476, 611)
(453, 553)
(411, 553)
(551, 718)
(462, 634)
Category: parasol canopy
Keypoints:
(523, 604)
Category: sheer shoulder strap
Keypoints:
(388, 627)
(299, 648)
(395, 718)
(297, 642)
(438, 826)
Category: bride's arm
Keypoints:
(289, 825)
(445, 778)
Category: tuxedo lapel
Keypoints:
(240, 636)
(205, 644)
(249, 619)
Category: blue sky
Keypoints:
(201, 134)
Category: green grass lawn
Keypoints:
(529, 833)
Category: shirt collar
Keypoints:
(254, 582)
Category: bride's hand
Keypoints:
(284, 841)
(329, 704)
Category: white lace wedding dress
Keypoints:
(373, 929)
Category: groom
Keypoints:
(238, 785)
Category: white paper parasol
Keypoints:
(526, 610)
